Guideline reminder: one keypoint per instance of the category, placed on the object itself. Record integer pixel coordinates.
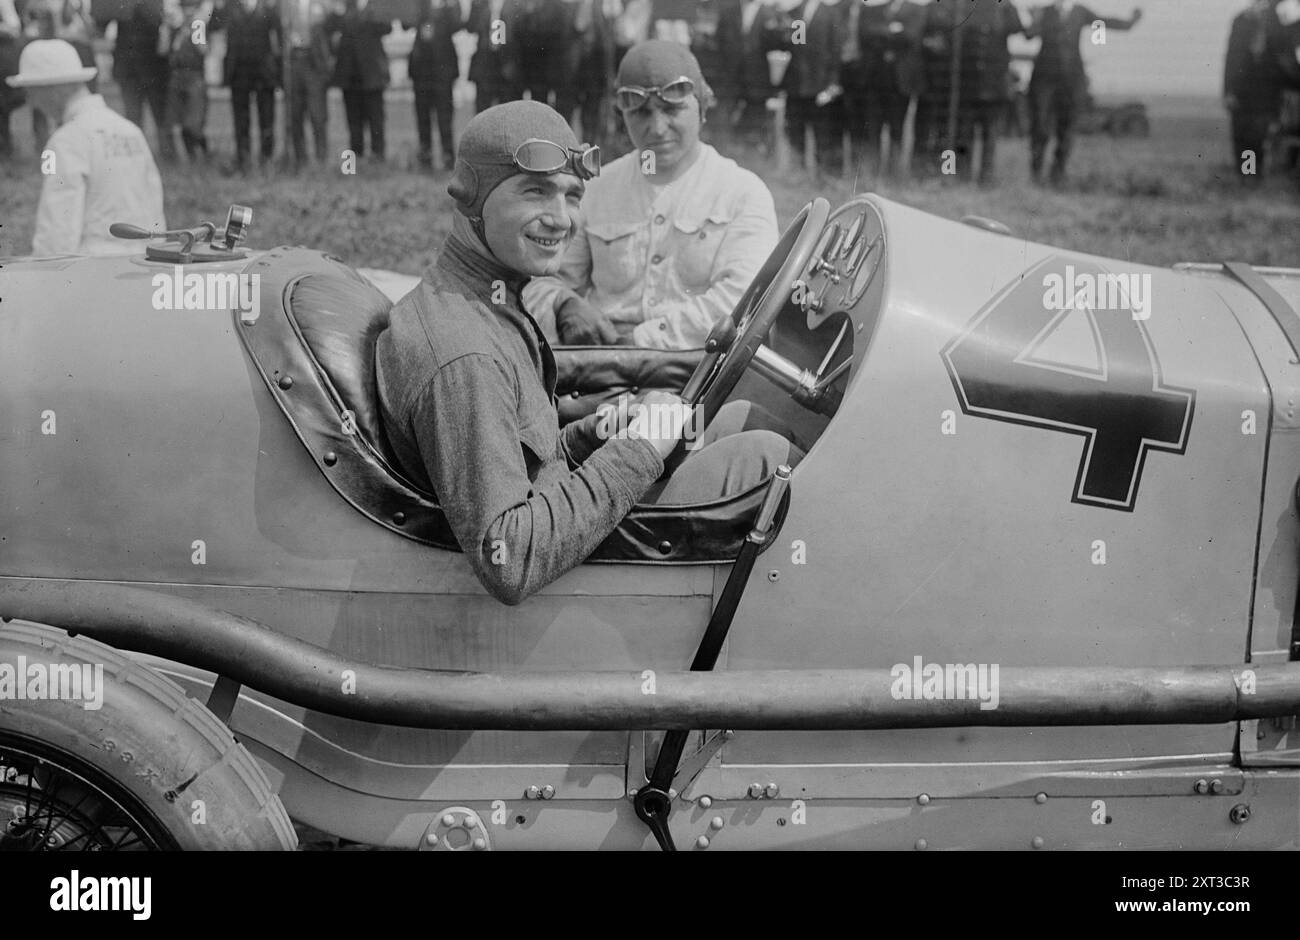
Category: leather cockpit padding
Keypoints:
(589, 376)
(591, 368)
(353, 462)
(340, 319)
(309, 358)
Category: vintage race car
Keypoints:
(1034, 584)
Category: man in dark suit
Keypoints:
(141, 72)
(433, 68)
(251, 70)
(884, 78)
(187, 87)
(1252, 82)
(311, 60)
(931, 133)
(11, 99)
(588, 68)
(361, 71)
(494, 68)
(811, 81)
(745, 35)
(983, 67)
(1059, 83)
(542, 35)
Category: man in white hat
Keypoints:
(97, 165)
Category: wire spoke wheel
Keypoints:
(50, 801)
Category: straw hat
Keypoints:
(50, 62)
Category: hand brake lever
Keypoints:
(653, 802)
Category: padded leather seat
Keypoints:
(340, 321)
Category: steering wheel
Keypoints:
(731, 346)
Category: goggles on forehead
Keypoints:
(631, 97)
(544, 156)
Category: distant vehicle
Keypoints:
(1125, 119)
(1033, 586)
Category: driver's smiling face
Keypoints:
(530, 218)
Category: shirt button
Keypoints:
(656, 259)
(659, 220)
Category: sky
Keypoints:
(1177, 48)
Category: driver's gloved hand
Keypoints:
(580, 323)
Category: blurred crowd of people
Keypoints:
(851, 73)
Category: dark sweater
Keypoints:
(467, 389)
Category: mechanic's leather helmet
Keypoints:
(485, 156)
(655, 63)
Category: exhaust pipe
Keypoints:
(303, 674)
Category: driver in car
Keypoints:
(466, 378)
(673, 231)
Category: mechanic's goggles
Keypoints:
(544, 156)
(631, 97)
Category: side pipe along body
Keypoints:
(173, 628)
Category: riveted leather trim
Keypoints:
(359, 471)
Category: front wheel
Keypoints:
(100, 753)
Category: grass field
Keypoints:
(1171, 197)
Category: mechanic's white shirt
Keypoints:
(663, 263)
(103, 173)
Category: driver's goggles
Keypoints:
(631, 97)
(545, 156)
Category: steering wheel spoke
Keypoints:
(767, 295)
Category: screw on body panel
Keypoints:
(548, 792)
(755, 791)
(716, 822)
(771, 791)
(706, 802)
(1216, 787)
(534, 793)
(702, 842)
(1037, 842)
(1239, 813)
(923, 799)
(922, 845)
(1040, 798)
(1201, 786)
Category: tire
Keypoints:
(150, 758)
